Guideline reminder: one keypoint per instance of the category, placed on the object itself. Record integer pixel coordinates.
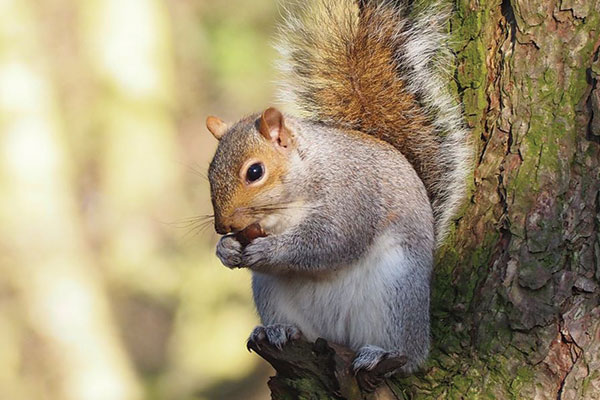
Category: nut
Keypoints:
(248, 234)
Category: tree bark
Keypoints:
(516, 300)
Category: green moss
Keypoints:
(460, 386)
(492, 338)
(587, 386)
(308, 389)
(524, 375)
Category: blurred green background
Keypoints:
(109, 287)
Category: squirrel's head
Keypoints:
(247, 170)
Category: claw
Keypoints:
(276, 335)
(373, 364)
(378, 361)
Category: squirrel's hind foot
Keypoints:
(373, 364)
(276, 335)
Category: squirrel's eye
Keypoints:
(255, 172)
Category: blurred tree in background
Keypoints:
(109, 288)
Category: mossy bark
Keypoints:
(516, 298)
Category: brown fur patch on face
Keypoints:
(235, 203)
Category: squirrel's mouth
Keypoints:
(232, 224)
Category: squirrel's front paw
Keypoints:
(276, 335)
(258, 253)
(229, 251)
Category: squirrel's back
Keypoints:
(368, 66)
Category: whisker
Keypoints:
(199, 228)
(197, 224)
(192, 221)
(196, 170)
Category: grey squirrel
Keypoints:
(337, 211)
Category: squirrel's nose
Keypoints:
(225, 224)
(221, 228)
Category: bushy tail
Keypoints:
(366, 65)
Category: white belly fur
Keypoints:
(352, 306)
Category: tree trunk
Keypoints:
(515, 302)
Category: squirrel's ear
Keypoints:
(272, 127)
(216, 127)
